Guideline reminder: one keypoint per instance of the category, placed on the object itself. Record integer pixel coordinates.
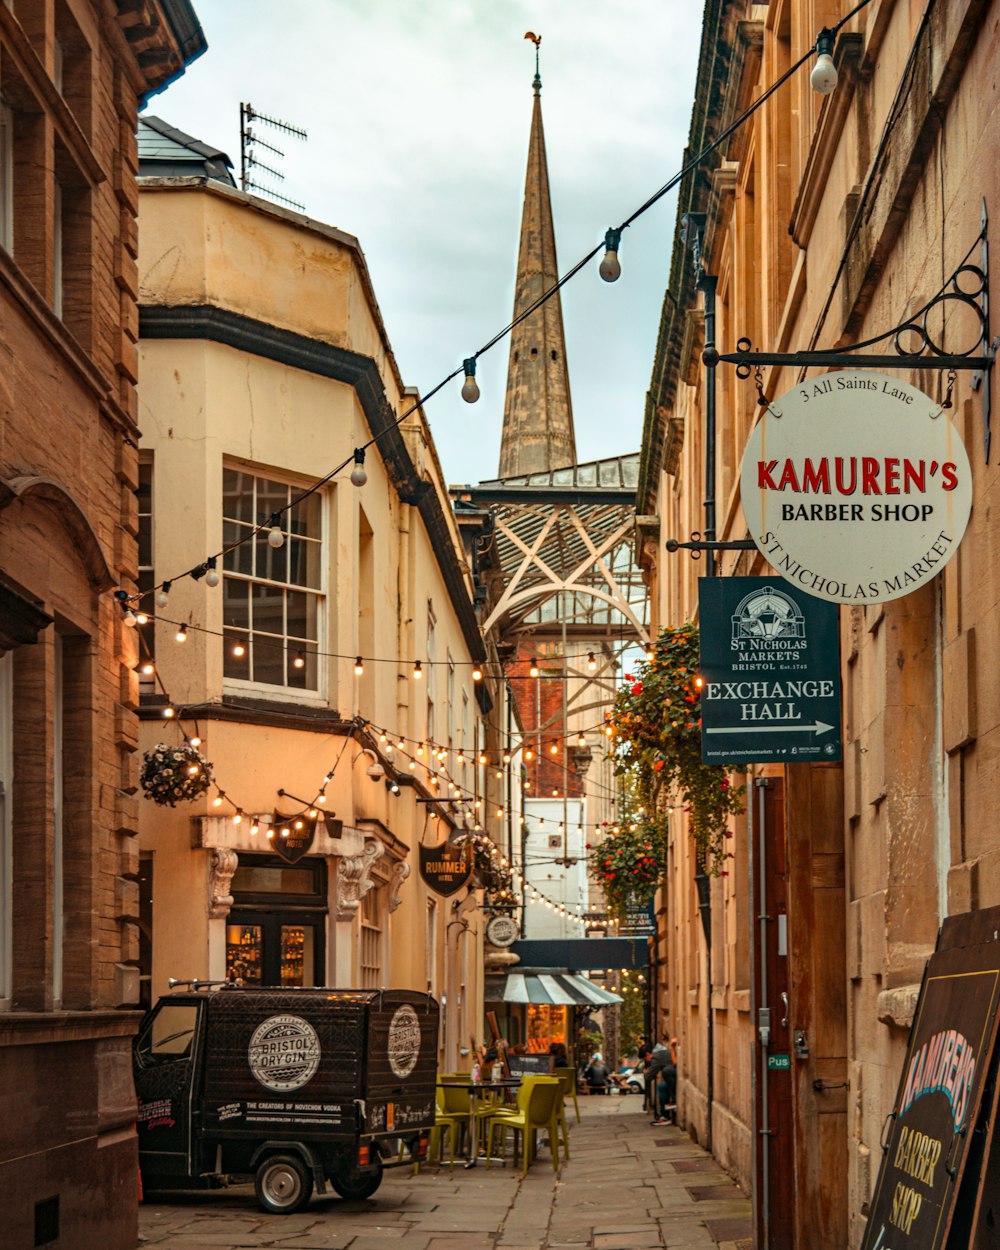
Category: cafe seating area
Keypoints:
(473, 1118)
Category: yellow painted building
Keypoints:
(264, 363)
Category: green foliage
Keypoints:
(657, 733)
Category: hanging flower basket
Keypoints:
(657, 732)
(630, 864)
(172, 775)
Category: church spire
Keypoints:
(538, 413)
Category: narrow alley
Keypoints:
(627, 1186)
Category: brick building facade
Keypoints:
(71, 76)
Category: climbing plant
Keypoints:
(656, 731)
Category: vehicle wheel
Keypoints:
(634, 1089)
(283, 1184)
(357, 1183)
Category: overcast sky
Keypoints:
(418, 114)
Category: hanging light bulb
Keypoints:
(239, 650)
(320, 798)
(162, 596)
(312, 813)
(141, 618)
(482, 757)
(359, 671)
(650, 653)
(581, 741)
(420, 748)
(611, 269)
(275, 538)
(148, 669)
(130, 618)
(195, 742)
(533, 670)
(592, 662)
(554, 747)
(211, 573)
(400, 744)
(299, 661)
(284, 833)
(824, 72)
(299, 824)
(169, 712)
(358, 474)
(238, 818)
(470, 389)
(217, 801)
(418, 672)
(506, 757)
(477, 673)
(460, 758)
(194, 770)
(181, 634)
(527, 785)
(254, 829)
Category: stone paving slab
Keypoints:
(623, 1189)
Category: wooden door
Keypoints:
(774, 1155)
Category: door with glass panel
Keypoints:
(276, 930)
(276, 948)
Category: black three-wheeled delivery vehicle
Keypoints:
(295, 1087)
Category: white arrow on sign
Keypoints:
(820, 727)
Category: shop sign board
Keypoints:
(294, 835)
(502, 930)
(639, 919)
(446, 868)
(860, 491)
(779, 1063)
(770, 663)
(935, 1124)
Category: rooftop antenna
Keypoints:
(249, 142)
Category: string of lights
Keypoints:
(480, 669)
(824, 80)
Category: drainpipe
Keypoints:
(704, 887)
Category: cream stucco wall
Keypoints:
(204, 405)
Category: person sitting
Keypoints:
(559, 1057)
(596, 1075)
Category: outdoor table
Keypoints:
(476, 1088)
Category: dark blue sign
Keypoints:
(639, 920)
(770, 663)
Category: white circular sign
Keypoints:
(502, 931)
(404, 1041)
(284, 1052)
(860, 491)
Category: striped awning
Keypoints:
(558, 988)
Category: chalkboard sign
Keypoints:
(530, 1065)
(942, 1083)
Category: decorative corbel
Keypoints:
(354, 878)
(400, 872)
(222, 866)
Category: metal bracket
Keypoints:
(697, 545)
(913, 340)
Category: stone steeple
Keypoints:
(538, 412)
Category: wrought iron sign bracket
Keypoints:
(697, 545)
(913, 340)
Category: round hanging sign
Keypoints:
(860, 491)
(502, 930)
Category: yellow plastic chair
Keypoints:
(540, 1102)
(443, 1122)
(562, 1126)
(568, 1077)
(457, 1103)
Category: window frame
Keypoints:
(239, 685)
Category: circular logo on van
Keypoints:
(284, 1053)
(404, 1041)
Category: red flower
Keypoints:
(637, 688)
(657, 765)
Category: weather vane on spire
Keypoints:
(536, 40)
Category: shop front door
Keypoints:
(276, 931)
(275, 948)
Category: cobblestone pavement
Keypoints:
(627, 1186)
